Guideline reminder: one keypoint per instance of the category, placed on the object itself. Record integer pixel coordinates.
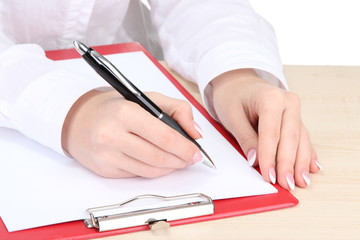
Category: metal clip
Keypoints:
(114, 217)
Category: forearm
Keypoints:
(35, 94)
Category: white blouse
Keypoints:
(200, 39)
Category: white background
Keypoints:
(314, 32)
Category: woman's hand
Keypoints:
(266, 122)
(117, 138)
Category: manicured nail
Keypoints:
(198, 129)
(318, 164)
(198, 157)
(272, 175)
(290, 181)
(306, 176)
(251, 157)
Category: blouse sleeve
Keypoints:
(203, 39)
(35, 95)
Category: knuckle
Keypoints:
(274, 94)
(270, 99)
(273, 136)
(102, 136)
(294, 99)
(185, 105)
(293, 136)
(244, 140)
(123, 111)
(169, 139)
(160, 159)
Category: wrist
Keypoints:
(234, 84)
(239, 76)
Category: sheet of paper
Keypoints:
(40, 187)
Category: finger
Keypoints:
(303, 159)
(100, 166)
(270, 118)
(288, 146)
(111, 161)
(315, 165)
(238, 124)
(114, 173)
(120, 162)
(181, 112)
(150, 153)
(164, 137)
(103, 164)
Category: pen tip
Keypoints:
(207, 160)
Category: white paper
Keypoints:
(40, 187)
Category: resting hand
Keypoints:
(117, 138)
(266, 122)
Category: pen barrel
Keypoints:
(173, 124)
(107, 76)
(139, 98)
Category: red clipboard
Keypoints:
(223, 208)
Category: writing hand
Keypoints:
(117, 138)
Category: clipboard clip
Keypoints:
(171, 208)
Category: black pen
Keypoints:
(130, 92)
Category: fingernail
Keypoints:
(290, 181)
(198, 129)
(318, 164)
(272, 175)
(306, 176)
(198, 157)
(251, 157)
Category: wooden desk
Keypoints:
(330, 207)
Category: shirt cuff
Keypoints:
(41, 109)
(231, 56)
